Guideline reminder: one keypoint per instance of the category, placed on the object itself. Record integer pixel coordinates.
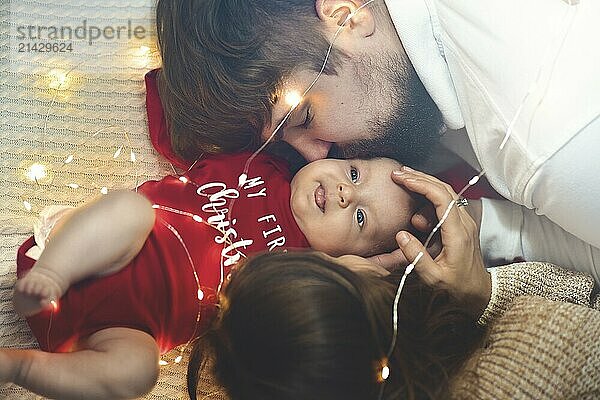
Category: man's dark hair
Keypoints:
(224, 63)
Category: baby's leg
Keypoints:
(114, 363)
(96, 239)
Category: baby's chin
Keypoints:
(331, 250)
(337, 251)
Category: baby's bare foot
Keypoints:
(38, 290)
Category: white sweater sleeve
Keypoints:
(510, 231)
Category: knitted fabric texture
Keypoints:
(99, 107)
(538, 349)
(539, 279)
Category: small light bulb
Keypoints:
(385, 372)
(132, 156)
(474, 180)
(27, 205)
(69, 159)
(242, 179)
(178, 359)
(293, 98)
(37, 172)
(183, 179)
(58, 79)
(73, 186)
(54, 305)
(104, 190)
(162, 363)
(118, 152)
(155, 206)
(197, 218)
(200, 294)
(144, 49)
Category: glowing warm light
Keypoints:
(104, 190)
(69, 159)
(242, 179)
(293, 98)
(27, 205)
(54, 305)
(36, 172)
(385, 372)
(178, 359)
(155, 206)
(162, 363)
(141, 56)
(183, 179)
(73, 186)
(58, 79)
(197, 218)
(200, 294)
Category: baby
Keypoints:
(133, 275)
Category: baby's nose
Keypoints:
(346, 195)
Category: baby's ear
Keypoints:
(424, 219)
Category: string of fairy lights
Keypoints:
(41, 173)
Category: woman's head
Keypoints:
(300, 326)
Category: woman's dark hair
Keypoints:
(297, 326)
(223, 64)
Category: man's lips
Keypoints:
(320, 198)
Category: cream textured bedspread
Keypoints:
(87, 103)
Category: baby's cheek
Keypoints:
(327, 244)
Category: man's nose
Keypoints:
(346, 194)
(311, 149)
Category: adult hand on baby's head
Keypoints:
(422, 221)
(459, 266)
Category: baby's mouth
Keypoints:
(320, 198)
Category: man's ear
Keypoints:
(335, 12)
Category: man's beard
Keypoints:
(413, 128)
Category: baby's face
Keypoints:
(350, 206)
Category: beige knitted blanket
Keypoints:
(79, 112)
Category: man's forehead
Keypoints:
(287, 94)
(292, 86)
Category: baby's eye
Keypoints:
(360, 217)
(354, 174)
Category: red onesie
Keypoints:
(157, 292)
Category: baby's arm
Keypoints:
(114, 363)
(98, 238)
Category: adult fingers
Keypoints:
(424, 219)
(443, 201)
(408, 173)
(463, 213)
(406, 170)
(360, 264)
(389, 261)
(425, 266)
